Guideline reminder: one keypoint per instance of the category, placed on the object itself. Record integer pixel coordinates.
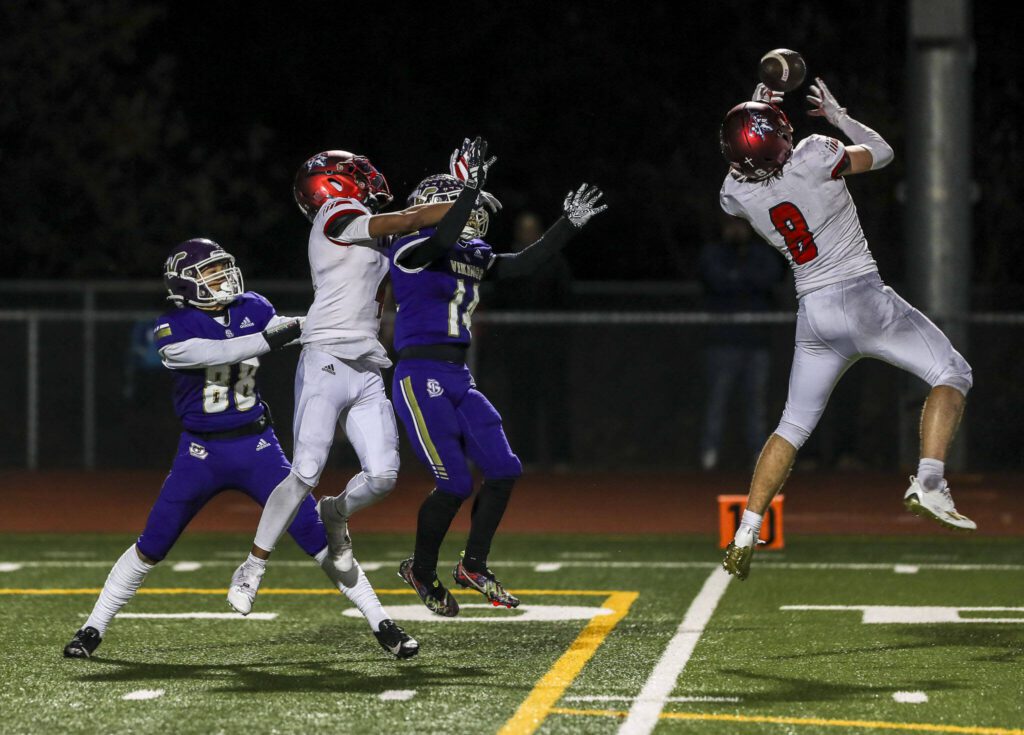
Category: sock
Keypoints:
(280, 510)
(256, 561)
(749, 530)
(124, 580)
(357, 588)
(930, 473)
(435, 516)
(488, 509)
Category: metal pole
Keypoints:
(89, 379)
(938, 226)
(32, 394)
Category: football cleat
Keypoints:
(339, 542)
(83, 644)
(738, 557)
(396, 641)
(435, 596)
(937, 505)
(245, 583)
(486, 584)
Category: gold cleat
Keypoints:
(737, 560)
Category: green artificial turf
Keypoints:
(312, 669)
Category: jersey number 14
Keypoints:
(790, 223)
(456, 314)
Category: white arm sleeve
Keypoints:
(357, 231)
(197, 352)
(865, 137)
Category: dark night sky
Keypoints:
(626, 95)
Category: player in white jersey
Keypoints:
(338, 378)
(797, 201)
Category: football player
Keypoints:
(212, 343)
(796, 198)
(436, 274)
(338, 378)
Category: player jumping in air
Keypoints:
(797, 200)
(436, 274)
(338, 378)
(212, 343)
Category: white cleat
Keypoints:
(245, 583)
(339, 542)
(937, 505)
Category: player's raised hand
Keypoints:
(823, 104)
(581, 205)
(490, 201)
(762, 93)
(460, 163)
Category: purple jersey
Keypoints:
(219, 397)
(436, 303)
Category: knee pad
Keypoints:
(381, 485)
(308, 463)
(956, 373)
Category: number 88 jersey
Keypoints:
(217, 397)
(436, 302)
(807, 214)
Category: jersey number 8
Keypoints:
(790, 223)
(216, 392)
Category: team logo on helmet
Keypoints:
(760, 126)
(199, 272)
(317, 161)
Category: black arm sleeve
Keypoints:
(338, 226)
(445, 235)
(527, 260)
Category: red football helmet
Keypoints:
(756, 139)
(334, 174)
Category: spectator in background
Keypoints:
(738, 274)
(534, 357)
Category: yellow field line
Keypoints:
(538, 705)
(270, 591)
(808, 721)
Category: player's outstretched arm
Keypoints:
(578, 209)
(200, 353)
(870, 152)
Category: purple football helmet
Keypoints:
(441, 188)
(187, 284)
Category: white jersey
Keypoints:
(348, 281)
(807, 214)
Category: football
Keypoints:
(782, 70)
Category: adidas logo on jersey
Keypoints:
(246, 323)
(262, 444)
(329, 368)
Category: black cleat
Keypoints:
(486, 584)
(396, 641)
(83, 644)
(435, 596)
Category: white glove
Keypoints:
(823, 104)
(769, 96)
(579, 206)
(459, 163)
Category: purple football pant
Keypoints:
(253, 464)
(447, 421)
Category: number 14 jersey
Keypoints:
(436, 302)
(807, 214)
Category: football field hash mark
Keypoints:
(140, 694)
(910, 697)
(186, 566)
(397, 695)
(8, 566)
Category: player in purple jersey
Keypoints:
(436, 276)
(212, 343)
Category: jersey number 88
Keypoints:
(217, 393)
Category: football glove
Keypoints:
(769, 96)
(823, 104)
(579, 207)
(490, 201)
(472, 154)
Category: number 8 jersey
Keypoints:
(218, 397)
(436, 302)
(807, 214)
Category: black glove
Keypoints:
(282, 334)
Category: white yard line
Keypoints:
(548, 566)
(626, 698)
(6, 566)
(907, 568)
(197, 616)
(643, 715)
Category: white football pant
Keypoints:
(861, 317)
